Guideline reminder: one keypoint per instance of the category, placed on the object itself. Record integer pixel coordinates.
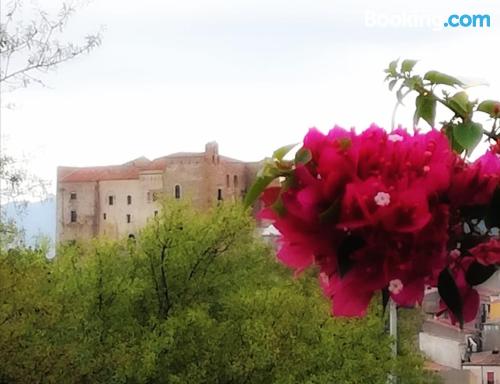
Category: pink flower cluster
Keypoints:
(381, 210)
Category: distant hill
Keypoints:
(35, 218)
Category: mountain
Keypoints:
(36, 218)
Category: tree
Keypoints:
(197, 298)
(28, 48)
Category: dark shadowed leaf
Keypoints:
(448, 291)
(385, 298)
(479, 273)
(347, 247)
(493, 216)
(331, 214)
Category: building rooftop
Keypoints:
(484, 358)
(131, 169)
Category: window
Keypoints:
(73, 216)
(227, 181)
(148, 198)
(111, 200)
(490, 378)
(131, 236)
(177, 191)
(104, 216)
(156, 213)
(235, 181)
(219, 194)
(128, 218)
(129, 199)
(72, 196)
(156, 196)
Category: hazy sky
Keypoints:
(252, 75)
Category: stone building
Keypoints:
(116, 201)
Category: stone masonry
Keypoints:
(116, 201)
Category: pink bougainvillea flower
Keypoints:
(377, 210)
(487, 253)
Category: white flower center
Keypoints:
(395, 286)
(382, 199)
(395, 137)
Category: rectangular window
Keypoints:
(111, 200)
(73, 216)
(156, 195)
(128, 218)
(104, 216)
(235, 181)
(177, 191)
(72, 196)
(129, 199)
(227, 181)
(219, 194)
(490, 378)
(156, 213)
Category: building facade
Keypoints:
(116, 201)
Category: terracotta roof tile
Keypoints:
(484, 358)
(127, 171)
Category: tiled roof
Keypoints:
(184, 154)
(127, 171)
(484, 358)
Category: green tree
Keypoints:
(198, 298)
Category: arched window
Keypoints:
(177, 191)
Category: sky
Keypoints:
(250, 74)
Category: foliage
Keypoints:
(196, 299)
(30, 43)
(433, 88)
(392, 211)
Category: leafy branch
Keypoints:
(463, 131)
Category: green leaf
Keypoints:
(491, 107)
(468, 134)
(392, 70)
(407, 65)
(450, 294)
(453, 142)
(436, 77)
(413, 82)
(460, 103)
(392, 83)
(256, 189)
(303, 156)
(279, 207)
(280, 153)
(425, 109)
